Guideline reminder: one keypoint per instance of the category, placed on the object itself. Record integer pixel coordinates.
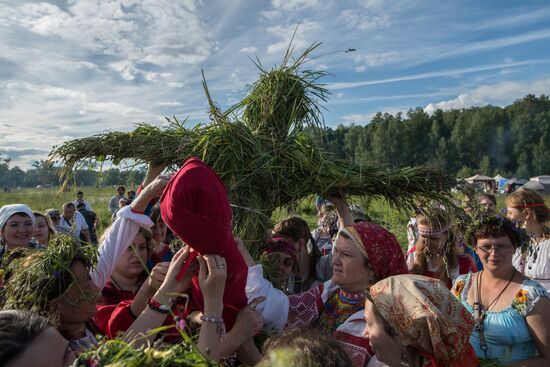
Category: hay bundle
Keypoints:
(284, 99)
(260, 152)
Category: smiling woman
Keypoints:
(510, 310)
(16, 227)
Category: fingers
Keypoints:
(203, 268)
(255, 302)
(181, 255)
(216, 264)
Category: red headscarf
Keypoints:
(279, 244)
(195, 206)
(380, 247)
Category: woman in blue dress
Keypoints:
(510, 310)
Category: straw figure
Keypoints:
(260, 151)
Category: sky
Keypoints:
(71, 69)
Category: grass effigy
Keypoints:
(261, 153)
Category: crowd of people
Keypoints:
(342, 294)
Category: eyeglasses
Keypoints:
(496, 248)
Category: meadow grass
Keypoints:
(377, 209)
(45, 198)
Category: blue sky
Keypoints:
(75, 68)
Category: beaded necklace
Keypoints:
(339, 307)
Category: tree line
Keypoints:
(513, 141)
(45, 174)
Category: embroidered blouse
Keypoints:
(325, 306)
(535, 264)
(506, 332)
(466, 264)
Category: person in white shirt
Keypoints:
(80, 199)
(114, 202)
(73, 219)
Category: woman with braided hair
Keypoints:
(438, 253)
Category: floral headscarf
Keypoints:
(427, 317)
(379, 246)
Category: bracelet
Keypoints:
(220, 326)
(155, 305)
(215, 320)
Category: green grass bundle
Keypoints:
(260, 152)
(117, 353)
(35, 280)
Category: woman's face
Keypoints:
(132, 262)
(17, 231)
(284, 268)
(515, 215)
(49, 349)
(434, 243)
(495, 253)
(348, 266)
(78, 303)
(387, 347)
(159, 231)
(487, 204)
(41, 231)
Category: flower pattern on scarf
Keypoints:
(423, 313)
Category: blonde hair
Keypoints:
(529, 199)
(51, 229)
(437, 219)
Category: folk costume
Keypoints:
(428, 318)
(327, 306)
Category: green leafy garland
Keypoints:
(501, 224)
(36, 279)
(118, 353)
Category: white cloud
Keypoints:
(285, 33)
(296, 5)
(358, 118)
(248, 50)
(353, 19)
(365, 118)
(159, 32)
(498, 94)
(271, 14)
(370, 60)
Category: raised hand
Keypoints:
(212, 276)
(171, 285)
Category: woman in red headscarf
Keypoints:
(364, 253)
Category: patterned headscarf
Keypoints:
(379, 246)
(280, 244)
(427, 317)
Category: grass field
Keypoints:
(45, 198)
(42, 199)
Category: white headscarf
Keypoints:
(8, 210)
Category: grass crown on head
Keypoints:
(35, 280)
